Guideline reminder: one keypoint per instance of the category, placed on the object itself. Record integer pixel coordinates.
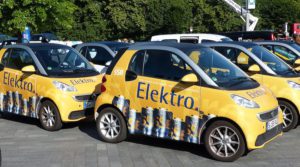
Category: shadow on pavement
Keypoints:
(89, 128)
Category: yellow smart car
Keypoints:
(189, 93)
(51, 82)
(269, 70)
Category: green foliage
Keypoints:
(91, 20)
(40, 15)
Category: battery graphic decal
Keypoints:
(159, 122)
(13, 102)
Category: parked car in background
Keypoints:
(190, 38)
(250, 35)
(100, 53)
(269, 70)
(51, 38)
(288, 51)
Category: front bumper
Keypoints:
(268, 136)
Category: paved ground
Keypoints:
(27, 145)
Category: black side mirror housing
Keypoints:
(1, 67)
(130, 75)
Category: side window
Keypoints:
(98, 55)
(164, 65)
(136, 63)
(284, 53)
(19, 58)
(83, 50)
(269, 47)
(236, 56)
(5, 57)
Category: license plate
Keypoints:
(88, 104)
(272, 124)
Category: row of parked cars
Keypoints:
(231, 96)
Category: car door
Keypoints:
(165, 106)
(19, 87)
(241, 59)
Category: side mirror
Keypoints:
(107, 63)
(189, 78)
(1, 67)
(28, 69)
(254, 68)
(297, 62)
(130, 75)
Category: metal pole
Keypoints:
(247, 16)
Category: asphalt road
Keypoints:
(25, 144)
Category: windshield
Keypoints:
(272, 61)
(220, 70)
(62, 61)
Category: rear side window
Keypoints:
(19, 58)
(137, 62)
(5, 57)
(98, 55)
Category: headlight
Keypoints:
(64, 87)
(244, 102)
(294, 85)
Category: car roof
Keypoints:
(244, 44)
(179, 46)
(277, 41)
(31, 45)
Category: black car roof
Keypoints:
(244, 44)
(180, 46)
(31, 45)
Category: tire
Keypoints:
(290, 115)
(49, 116)
(114, 132)
(235, 145)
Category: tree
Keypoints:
(277, 12)
(89, 24)
(40, 15)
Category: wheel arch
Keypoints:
(103, 106)
(211, 121)
(290, 102)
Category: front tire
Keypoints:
(49, 116)
(111, 125)
(290, 115)
(224, 142)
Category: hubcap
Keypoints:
(48, 116)
(287, 116)
(224, 141)
(110, 125)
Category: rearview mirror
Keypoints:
(189, 78)
(297, 62)
(254, 68)
(1, 67)
(28, 69)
